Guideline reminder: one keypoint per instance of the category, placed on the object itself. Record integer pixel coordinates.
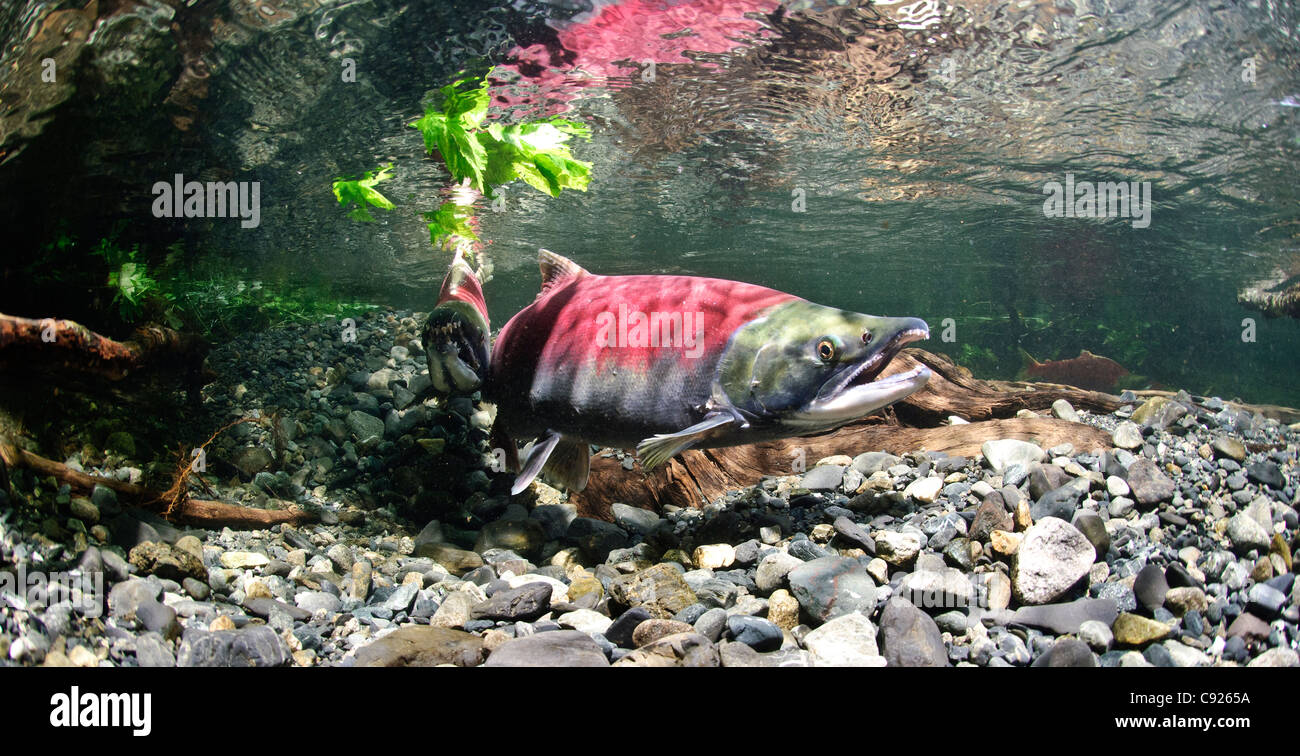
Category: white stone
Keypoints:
(714, 556)
(896, 548)
(846, 641)
(1053, 556)
(1127, 436)
(924, 489)
(242, 560)
(1005, 452)
(585, 620)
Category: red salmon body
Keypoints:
(608, 358)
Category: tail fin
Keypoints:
(1028, 363)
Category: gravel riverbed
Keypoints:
(1173, 547)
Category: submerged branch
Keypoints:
(209, 514)
(56, 345)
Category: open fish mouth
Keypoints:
(865, 373)
(858, 392)
(456, 352)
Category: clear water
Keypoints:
(919, 135)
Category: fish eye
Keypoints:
(866, 337)
(826, 350)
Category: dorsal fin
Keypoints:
(556, 269)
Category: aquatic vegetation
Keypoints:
(362, 192)
(224, 304)
(129, 278)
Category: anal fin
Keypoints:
(569, 465)
(662, 447)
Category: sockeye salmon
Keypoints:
(660, 364)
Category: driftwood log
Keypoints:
(916, 423)
(54, 346)
(208, 514)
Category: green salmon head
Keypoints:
(811, 368)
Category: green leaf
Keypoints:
(448, 220)
(362, 192)
(432, 126)
(468, 107)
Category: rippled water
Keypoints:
(919, 137)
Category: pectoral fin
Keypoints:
(536, 459)
(563, 461)
(660, 448)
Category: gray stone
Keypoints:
(1150, 587)
(1044, 478)
(526, 603)
(621, 629)
(158, 618)
(1094, 529)
(125, 597)
(823, 478)
(314, 601)
(772, 571)
(712, 623)
(1127, 436)
(401, 598)
(934, 589)
(1067, 652)
(1097, 635)
(855, 534)
(1148, 484)
(251, 646)
(1265, 600)
(1063, 409)
(150, 651)
(558, 648)
(1246, 534)
(909, 638)
(755, 632)
(831, 586)
(422, 646)
(872, 462)
(367, 429)
(1059, 503)
(1067, 617)
(635, 519)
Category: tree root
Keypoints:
(64, 346)
(200, 512)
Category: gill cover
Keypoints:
(813, 367)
